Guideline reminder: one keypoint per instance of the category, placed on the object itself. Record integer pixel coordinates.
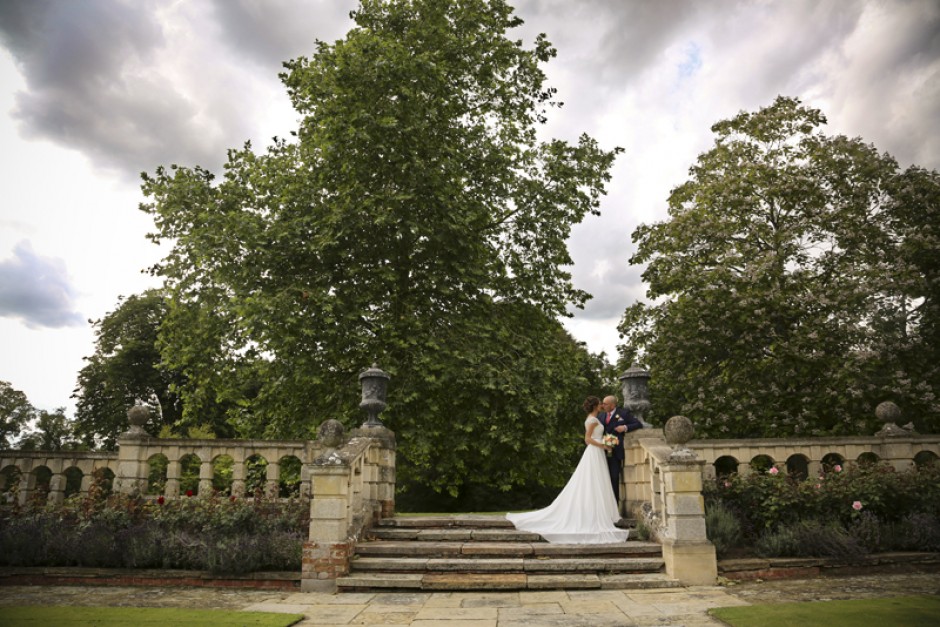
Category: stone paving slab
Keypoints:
(532, 608)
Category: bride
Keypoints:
(585, 511)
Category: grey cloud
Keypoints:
(890, 93)
(270, 32)
(36, 290)
(93, 84)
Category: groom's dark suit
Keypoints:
(620, 417)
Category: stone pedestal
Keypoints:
(688, 554)
(327, 553)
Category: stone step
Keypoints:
(563, 565)
(503, 581)
(482, 549)
(442, 534)
(462, 521)
(455, 520)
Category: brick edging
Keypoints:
(76, 576)
(801, 568)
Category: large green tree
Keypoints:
(51, 431)
(415, 220)
(780, 306)
(15, 412)
(126, 369)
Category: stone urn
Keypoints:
(374, 387)
(633, 385)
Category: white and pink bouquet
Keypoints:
(611, 440)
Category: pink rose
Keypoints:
(857, 506)
(837, 468)
(773, 470)
(727, 484)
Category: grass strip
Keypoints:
(898, 612)
(71, 616)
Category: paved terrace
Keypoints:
(598, 608)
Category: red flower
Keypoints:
(161, 500)
(232, 498)
(189, 492)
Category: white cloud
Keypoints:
(37, 290)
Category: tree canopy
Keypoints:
(786, 293)
(15, 413)
(413, 220)
(127, 369)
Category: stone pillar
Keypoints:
(689, 556)
(238, 479)
(813, 469)
(378, 473)
(27, 482)
(205, 477)
(172, 487)
(329, 549)
(56, 489)
(86, 483)
(272, 484)
(132, 467)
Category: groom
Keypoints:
(617, 420)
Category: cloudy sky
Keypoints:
(92, 92)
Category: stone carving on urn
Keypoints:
(636, 392)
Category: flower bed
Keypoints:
(846, 512)
(219, 534)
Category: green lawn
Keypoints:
(137, 616)
(896, 612)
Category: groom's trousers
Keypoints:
(614, 465)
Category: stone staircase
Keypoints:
(464, 552)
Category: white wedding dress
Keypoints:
(585, 511)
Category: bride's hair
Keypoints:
(590, 403)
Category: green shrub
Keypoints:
(809, 538)
(873, 501)
(221, 535)
(722, 527)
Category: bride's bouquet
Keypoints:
(611, 440)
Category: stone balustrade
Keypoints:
(61, 474)
(809, 457)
